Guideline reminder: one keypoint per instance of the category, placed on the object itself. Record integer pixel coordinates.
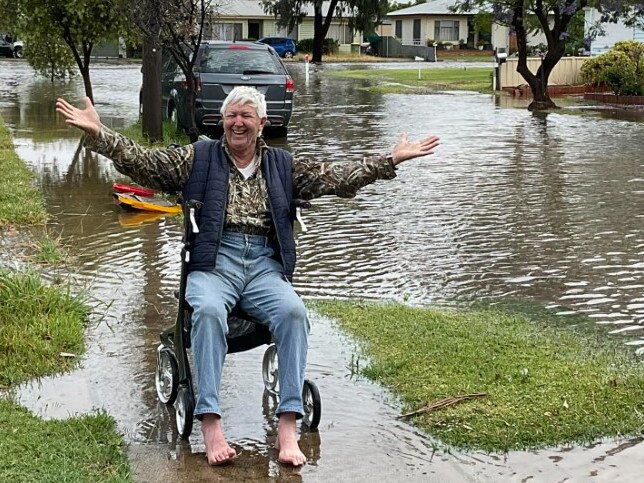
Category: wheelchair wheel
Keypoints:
(269, 369)
(167, 375)
(312, 405)
(184, 410)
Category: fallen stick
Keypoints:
(443, 403)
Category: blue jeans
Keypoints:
(246, 274)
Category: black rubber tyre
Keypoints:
(166, 377)
(312, 405)
(288, 54)
(184, 410)
(270, 369)
(17, 53)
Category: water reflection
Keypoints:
(546, 208)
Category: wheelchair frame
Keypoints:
(173, 378)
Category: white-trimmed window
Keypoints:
(446, 30)
(227, 31)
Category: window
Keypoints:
(341, 33)
(233, 61)
(227, 31)
(446, 30)
(398, 29)
(416, 37)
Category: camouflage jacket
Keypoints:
(168, 169)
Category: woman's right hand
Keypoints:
(86, 119)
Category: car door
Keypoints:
(6, 48)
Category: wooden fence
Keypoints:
(566, 72)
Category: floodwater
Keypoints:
(547, 209)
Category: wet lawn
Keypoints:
(544, 384)
(406, 80)
(42, 333)
(20, 202)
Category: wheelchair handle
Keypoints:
(193, 205)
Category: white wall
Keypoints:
(613, 32)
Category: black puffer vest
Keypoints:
(208, 183)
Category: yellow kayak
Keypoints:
(146, 203)
(138, 217)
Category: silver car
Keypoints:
(219, 67)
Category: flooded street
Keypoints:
(547, 209)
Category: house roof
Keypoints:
(430, 7)
(253, 8)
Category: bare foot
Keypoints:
(218, 451)
(289, 450)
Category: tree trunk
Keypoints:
(151, 101)
(538, 82)
(321, 26)
(189, 120)
(318, 35)
(87, 82)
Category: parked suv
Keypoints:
(284, 46)
(221, 66)
(10, 47)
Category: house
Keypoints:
(246, 19)
(610, 32)
(432, 21)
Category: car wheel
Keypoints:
(288, 54)
(17, 53)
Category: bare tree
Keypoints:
(147, 15)
(182, 32)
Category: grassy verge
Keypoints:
(42, 333)
(406, 80)
(85, 449)
(346, 58)
(20, 202)
(38, 324)
(545, 385)
(170, 135)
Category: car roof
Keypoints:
(227, 43)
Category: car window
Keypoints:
(238, 61)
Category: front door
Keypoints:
(416, 37)
(254, 30)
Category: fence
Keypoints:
(390, 47)
(566, 72)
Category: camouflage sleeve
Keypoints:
(313, 179)
(164, 169)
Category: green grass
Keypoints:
(546, 384)
(42, 333)
(170, 135)
(78, 449)
(406, 80)
(38, 324)
(50, 251)
(20, 202)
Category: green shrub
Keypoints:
(621, 68)
(329, 46)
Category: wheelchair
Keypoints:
(173, 378)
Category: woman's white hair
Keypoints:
(246, 95)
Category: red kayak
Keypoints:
(135, 190)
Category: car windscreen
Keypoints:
(240, 61)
